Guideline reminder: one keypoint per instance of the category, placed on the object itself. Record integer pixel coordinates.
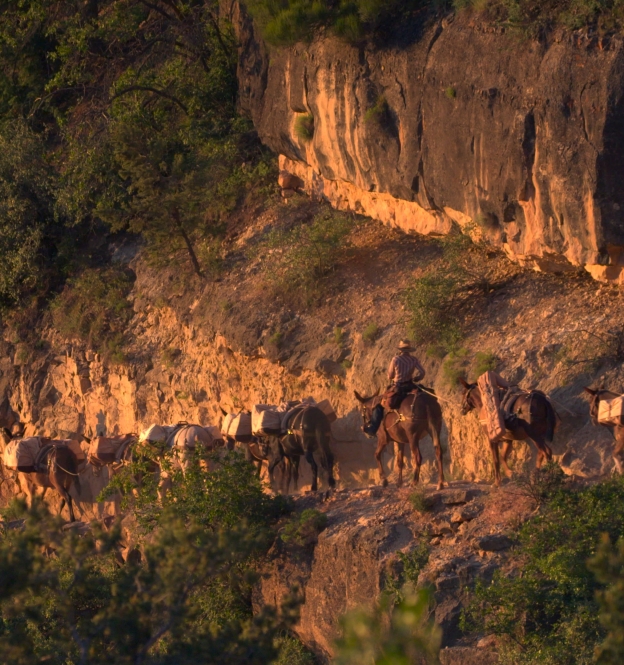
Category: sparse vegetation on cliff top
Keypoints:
(291, 21)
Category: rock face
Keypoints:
(518, 140)
(363, 550)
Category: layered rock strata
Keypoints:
(461, 123)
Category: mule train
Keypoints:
(45, 463)
(282, 435)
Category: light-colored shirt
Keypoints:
(402, 368)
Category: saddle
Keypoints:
(392, 399)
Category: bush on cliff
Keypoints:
(298, 260)
(285, 22)
(549, 613)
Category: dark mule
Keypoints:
(309, 431)
(616, 430)
(418, 416)
(59, 471)
(536, 421)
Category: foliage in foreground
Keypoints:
(63, 600)
(549, 614)
(401, 634)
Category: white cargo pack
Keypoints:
(237, 426)
(326, 407)
(21, 454)
(265, 419)
(611, 411)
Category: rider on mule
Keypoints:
(401, 373)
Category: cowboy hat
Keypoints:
(405, 345)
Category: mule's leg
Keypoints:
(401, 462)
(416, 460)
(434, 433)
(507, 445)
(295, 471)
(618, 451)
(543, 450)
(273, 463)
(70, 505)
(309, 455)
(382, 442)
(496, 460)
(328, 457)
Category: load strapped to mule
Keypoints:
(611, 412)
(105, 450)
(27, 455)
(267, 420)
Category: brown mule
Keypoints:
(536, 422)
(59, 472)
(418, 415)
(616, 430)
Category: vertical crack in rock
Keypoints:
(528, 149)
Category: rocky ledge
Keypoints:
(467, 530)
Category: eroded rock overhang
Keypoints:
(520, 140)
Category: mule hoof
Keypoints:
(440, 486)
(384, 482)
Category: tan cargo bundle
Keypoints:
(106, 450)
(73, 445)
(237, 426)
(265, 419)
(611, 411)
(326, 407)
(21, 454)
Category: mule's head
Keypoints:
(367, 404)
(470, 399)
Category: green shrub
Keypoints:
(432, 317)
(389, 633)
(454, 366)
(94, 307)
(370, 333)
(450, 92)
(608, 566)
(549, 613)
(277, 339)
(303, 529)
(304, 127)
(289, 21)
(301, 258)
(420, 502)
(485, 361)
(379, 113)
(339, 336)
(292, 652)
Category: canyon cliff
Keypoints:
(456, 121)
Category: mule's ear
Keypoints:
(358, 397)
(464, 382)
(377, 392)
(589, 390)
